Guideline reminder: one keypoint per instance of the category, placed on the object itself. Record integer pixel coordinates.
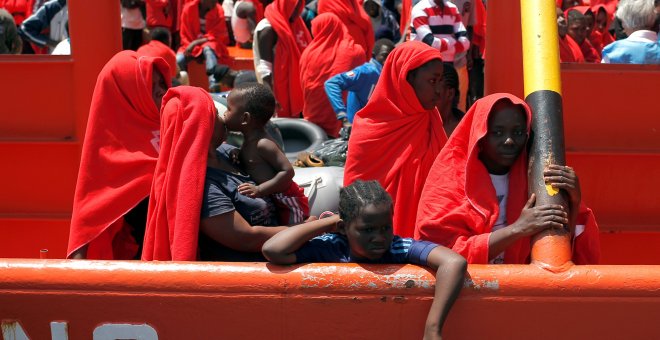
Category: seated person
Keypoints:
(449, 111)
(396, 137)
(246, 15)
(332, 51)
(359, 82)
(578, 29)
(118, 158)
(600, 36)
(475, 198)
(159, 46)
(280, 39)
(356, 20)
(250, 107)
(642, 45)
(203, 37)
(195, 210)
(363, 234)
(383, 22)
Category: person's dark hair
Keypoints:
(358, 195)
(380, 43)
(450, 77)
(258, 100)
(161, 34)
(574, 15)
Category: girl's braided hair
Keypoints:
(358, 195)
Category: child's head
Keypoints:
(249, 105)
(505, 139)
(426, 80)
(366, 211)
(577, 26)
(382, 49)
(601, 19)
(161, 34)
(562, 26)
(589, 21)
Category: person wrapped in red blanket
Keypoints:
(279, 41)
(600, 36)
(203, 36)
(580, 25)
(475, 198)
(398, 134)
(569, 50)
(187, 125)
(118, 156)
(332, 52)
(356, 20)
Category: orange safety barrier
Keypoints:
(324, 301)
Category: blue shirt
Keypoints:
(360, 81)
(641, 47)
(335, 248)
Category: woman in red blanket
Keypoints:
(280, 40)
(118, 156)
(600, 36)
(195, 209)
(332, 51)
(398, 134)
(475, 197)
(356, 20)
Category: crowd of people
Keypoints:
(435, 174)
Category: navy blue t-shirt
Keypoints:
(335, 248)
(221, 196)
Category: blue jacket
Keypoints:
(360, 82)
(641, 47)
(34, 26)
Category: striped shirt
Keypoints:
(335, 248)
(441, 28)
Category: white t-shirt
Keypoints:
(131, 18)
(240, 26)
(501, 184)
(63, 48)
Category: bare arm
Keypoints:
(281, 248)
(449, 276)
(275, 158)
(233, 231)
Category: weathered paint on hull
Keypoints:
(325, 301)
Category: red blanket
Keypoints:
(600, 39)
(569, 50)
(216, 30)
(394, 139)
(459, 207)
(332, 51)
(292, 39)
(591, 55)
(406, 11)
(19, 9)
(187, 122)
(156, 48)
(356, 20)
(118, 155)
(159, 13)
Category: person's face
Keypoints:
(505, 139)
(562, 26)
(577, 29)
(371, 8)
(158, 87)
(382, 54)
(589, 22)
(370, 234)
(235, 111)
(601, 21)
(446, 98)
(426, 80)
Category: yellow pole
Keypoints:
(542, 86)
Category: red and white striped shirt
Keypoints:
(439, 27)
